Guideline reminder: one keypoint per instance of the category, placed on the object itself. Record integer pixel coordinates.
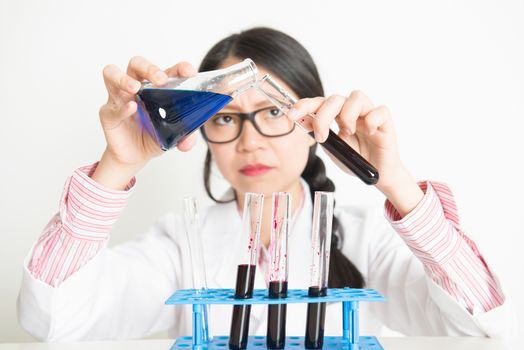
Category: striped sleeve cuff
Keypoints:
(425, 229)
(81, 228)
(89, 210)
(451, 259)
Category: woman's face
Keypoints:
(256, 163)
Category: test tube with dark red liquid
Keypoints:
(334, 145)
(276, 316)
(253, 204)
(320, 249)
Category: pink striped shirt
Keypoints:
(79, 230)
(432, 232)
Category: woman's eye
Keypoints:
(275, 113)
(224, 119)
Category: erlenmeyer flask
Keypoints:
(181, 106)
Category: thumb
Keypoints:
(187, 143)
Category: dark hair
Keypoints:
(286, 58)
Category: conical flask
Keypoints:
(176, 109)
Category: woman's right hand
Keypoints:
(129, 146)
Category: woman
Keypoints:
(436, 281)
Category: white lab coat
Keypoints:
(120, 293)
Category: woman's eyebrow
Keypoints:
(260, 104)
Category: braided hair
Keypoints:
(289, 60)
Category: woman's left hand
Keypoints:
(367, 129)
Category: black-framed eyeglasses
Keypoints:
(227, 127)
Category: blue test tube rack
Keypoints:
(350, 298)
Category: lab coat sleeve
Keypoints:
(118, 294)
(75, 288)
(416, 269)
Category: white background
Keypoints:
(451, 72)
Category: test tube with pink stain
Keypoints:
(320, 250)
(278, 273)
(251, 219)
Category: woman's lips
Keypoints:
(255, 169)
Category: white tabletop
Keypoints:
(389, 343)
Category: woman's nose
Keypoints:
(250, 139)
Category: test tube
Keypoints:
(320, 250)
(251, 219)
(334, 145)
(278, 273)
(194, 239)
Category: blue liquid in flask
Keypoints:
(169, 115)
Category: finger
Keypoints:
(351, 139)
(187, 143)
(303, 112)
(118, 81)
(181, 69)
(111, 115)
(304, 107)
(378, 119)
(357, 105)
(325, 115)
(140, 69)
